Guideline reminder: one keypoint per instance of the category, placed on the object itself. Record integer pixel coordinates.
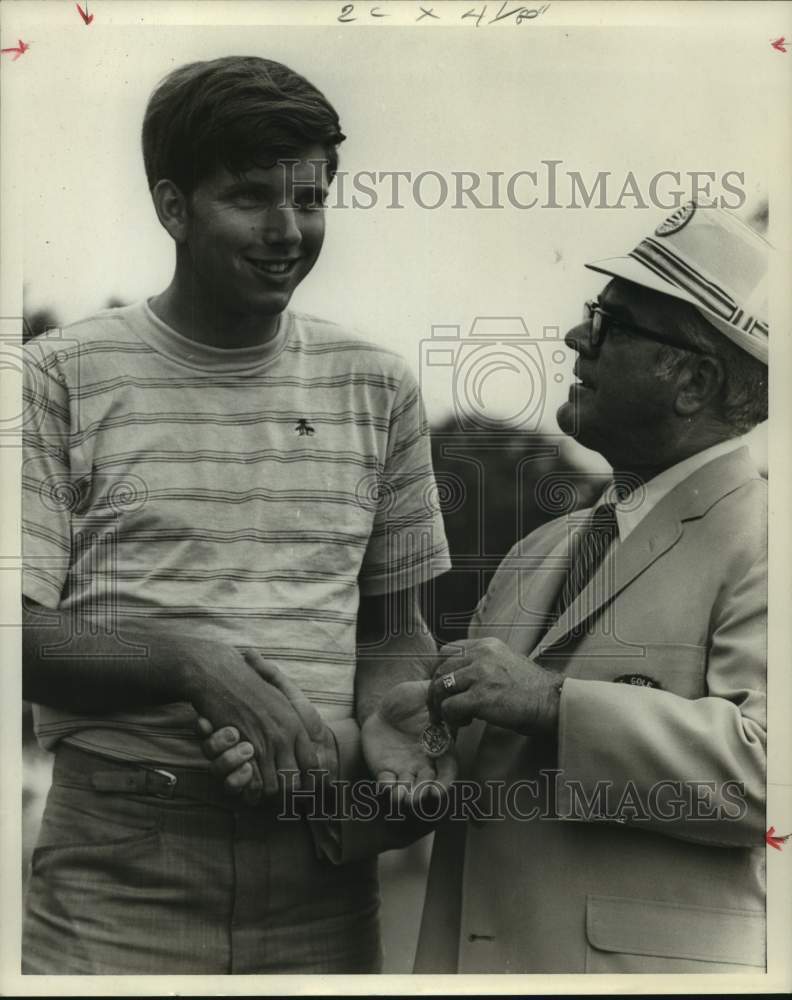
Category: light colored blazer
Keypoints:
(681, 603)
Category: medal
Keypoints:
(436, 739)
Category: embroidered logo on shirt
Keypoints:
(639, 680)
(303, 428)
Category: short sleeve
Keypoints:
(46, 482)
(407, 546)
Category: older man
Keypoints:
(613, 699)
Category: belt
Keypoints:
(101, 774)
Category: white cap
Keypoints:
(708, 257)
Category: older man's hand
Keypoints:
(484, 679)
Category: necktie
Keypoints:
(587, 550)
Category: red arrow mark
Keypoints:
(779, 44)
(18, 51)
(84, 14)
(774, 840)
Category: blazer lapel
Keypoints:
(537, 579)
(654, 535)
(619, 568)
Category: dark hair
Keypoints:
(743, 399)
(237, 112)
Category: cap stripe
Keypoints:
(674, 260)
(672, 268)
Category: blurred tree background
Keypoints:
(494, 489)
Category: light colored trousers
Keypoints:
(124, 884)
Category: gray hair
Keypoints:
(743, 400)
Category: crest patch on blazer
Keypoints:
(639, 680)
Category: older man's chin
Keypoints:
(565, 417)
(570, 423)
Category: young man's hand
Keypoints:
(252, 700)
(391, 743)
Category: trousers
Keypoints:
(125, 884)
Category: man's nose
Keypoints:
(280, 225)
(579, 339)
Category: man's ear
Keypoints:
(698, 385)
(172, 209)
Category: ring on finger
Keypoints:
(449, 681)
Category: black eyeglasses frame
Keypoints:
(600, 318)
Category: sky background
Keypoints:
(444, 99)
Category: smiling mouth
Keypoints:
(273, 266)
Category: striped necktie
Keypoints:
(586, 552)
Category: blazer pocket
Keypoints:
(649, 935)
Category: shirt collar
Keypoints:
(632, 509)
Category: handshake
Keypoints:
(405, 741)
(275, 737)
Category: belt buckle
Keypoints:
(165, 792)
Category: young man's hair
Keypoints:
(237, 112)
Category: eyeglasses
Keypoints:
(601, 319)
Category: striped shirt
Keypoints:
(246, 496)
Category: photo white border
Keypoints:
(765, 20)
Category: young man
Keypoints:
(221, 496)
